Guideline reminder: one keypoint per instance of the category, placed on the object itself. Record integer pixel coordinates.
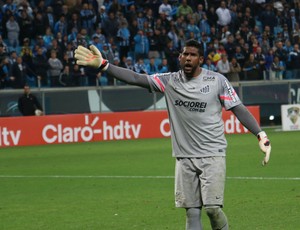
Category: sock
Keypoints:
(217, 217)
(193, 221)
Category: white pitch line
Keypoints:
(139, 177)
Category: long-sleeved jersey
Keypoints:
(194, 107)
(195, 111)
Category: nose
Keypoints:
(188, 57)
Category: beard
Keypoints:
(189, 70)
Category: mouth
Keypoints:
(188, 67)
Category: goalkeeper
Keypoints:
(194, 98)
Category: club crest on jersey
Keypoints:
(209, 78)
(205, 90)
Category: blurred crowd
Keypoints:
(244, 40)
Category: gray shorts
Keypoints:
(199, 181)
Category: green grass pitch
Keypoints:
(129, 185)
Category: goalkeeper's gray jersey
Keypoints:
(195, 111)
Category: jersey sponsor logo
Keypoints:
(193, 106)
(231, 92)
(209, 78)
(205, 90)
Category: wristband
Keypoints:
(104, 65)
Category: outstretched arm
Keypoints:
(246, 118)
(92, 57)
(128, 76)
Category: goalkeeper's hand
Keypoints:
(90, 57)
(265, 146)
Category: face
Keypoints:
(26, 89)
(190, 61)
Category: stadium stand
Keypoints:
(137, 29)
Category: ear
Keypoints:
(201, 60)
(179, 57)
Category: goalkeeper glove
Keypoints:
(264, 145)
(90, 57)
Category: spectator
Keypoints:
(48, 37)
(101, 17)
(55, 68)
(39, 24)
(115, 6)
(74, 24)
(123, 37)
(209, 65)
(12, 57)
(280, 51)
(292, 20)
(141, 47)
(13, 31)
(4, 73)
(41, 67)
(65, 77)
(212, 17)
(261, 60)
(192, 27)
(141, 20)
(11, 6)
(165, 8)
(78, 75)
(28, 104)
(286, 33)
(223, 65)
(88, 17)
(100, 35)
(180, 23)
(268, 18)
(3, 45)
(54, 46)
(107, 52)
(235, 69)
(60, 26)
(230, 46)
(250, 69)
(65, 11)
(129, 64)
(50, 17)
(150, 18)
(295, 61)
(172, 35)
(269, 58)
(140, 66)
(26, 26)
(163, 67)
(181, 39)
(151, 67)
(111, 25)
(163, 21)
(131, 14)
(277, 69)
(198, 14)
(153, 45)
(224, 17)
(3, 53)
(184, 9)
(18, 74)
(204, 25)
(171, 55)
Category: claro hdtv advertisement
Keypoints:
(72, 128)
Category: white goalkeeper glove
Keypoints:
(265, 146)
(90, 57)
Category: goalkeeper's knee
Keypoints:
(217, 218)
